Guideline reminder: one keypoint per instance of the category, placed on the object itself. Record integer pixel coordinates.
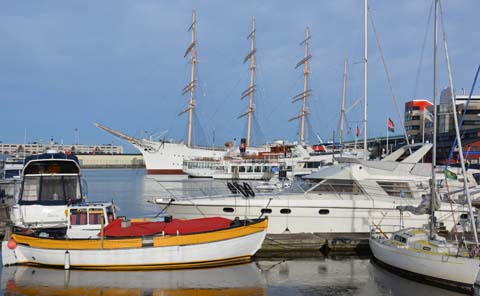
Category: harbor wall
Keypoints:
(111, 161)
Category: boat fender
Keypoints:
(232, 188)
(12, 244)
(248, 189)
(240, 189)
(67, 260)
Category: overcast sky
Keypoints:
(67, 64)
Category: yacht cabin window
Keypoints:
(399, 238)
(339, 186)
(400, 189)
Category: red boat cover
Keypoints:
(115, 228)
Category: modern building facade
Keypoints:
(416, 118)
(419, 125)
(38, 148)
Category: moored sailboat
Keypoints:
(422, 253)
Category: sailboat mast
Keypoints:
(459, 139)
(434, 149)
(365, 87)
(342, 113)
(306, 92)
(190, 87)
(251, 89)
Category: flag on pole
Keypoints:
(357, 133)
(390, 125)
(450, 175)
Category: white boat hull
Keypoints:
(443, 269)
(308, 214)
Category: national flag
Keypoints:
(390, 125)
(427, 115)
(450, 175)
(357, 133)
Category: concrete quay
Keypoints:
(115, 161)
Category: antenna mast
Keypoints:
(251, 89)
(190, 87)
(306, 92)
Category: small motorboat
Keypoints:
(53, 226)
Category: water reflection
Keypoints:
(348, 276)
(391, 284)
(235, 280)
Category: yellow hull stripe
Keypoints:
(201, 238)
(159, 266)
(75, 291)
(126, 243)
(77, 244)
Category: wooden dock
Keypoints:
(300, 245)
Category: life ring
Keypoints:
(248, 189)
(240, 189)
(232, 188)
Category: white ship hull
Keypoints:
(307, 214)
(167, 158)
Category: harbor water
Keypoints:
(133, 193)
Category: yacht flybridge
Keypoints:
(346, 197)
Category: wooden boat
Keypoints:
(56, 228)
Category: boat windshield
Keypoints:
(9, 174)
(50, 190)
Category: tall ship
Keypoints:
(166, 157)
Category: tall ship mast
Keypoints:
(306, 91)
(190, 87)
(164, 156)
(249, 92)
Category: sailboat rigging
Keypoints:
(306, 91)
(190, 87)
(249, 92)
